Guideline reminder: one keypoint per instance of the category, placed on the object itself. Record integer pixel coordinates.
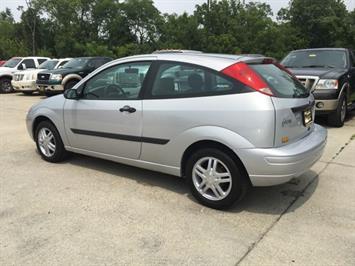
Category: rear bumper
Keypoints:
(268, 167)
(29, 85)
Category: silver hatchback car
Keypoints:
(225, 123)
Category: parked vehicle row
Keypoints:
(58, 80)
(223, 122)
(13, 65)
(49, 76)
(25, 81)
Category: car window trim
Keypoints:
(141, 93)
(148, 90)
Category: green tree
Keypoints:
(322, 22)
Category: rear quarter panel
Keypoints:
(239, 121)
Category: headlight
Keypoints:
(327, 84)
(34, 77)
(27, 77)
(56, 77)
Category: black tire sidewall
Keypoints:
(238, 180)
(334, 119)
(1, 84)
(70, 84)
(60, 151)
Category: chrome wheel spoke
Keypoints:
(46, 142)
(219, 189)
(51, 146)
(225, 180)
(209, 183)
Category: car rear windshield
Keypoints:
(282, 84)
(12, 62)
(49, 64)
(316, 59)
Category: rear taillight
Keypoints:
(243, 73)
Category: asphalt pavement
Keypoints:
(88, 211)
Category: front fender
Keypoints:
(56, 117)
(171, 153)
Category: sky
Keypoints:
(169, 6)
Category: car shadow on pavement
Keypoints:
(279, 199)
(35, 94)
(141, 176)
(268, 200)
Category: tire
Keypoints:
(47, 152)
(5, 85)
(205, 189)
(70, 84)
(27, 93)
(337, 118)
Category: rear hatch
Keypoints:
(294, 104)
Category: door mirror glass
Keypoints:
(71, 94)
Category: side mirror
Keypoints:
(21, 67)
(71, 94)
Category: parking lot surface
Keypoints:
(88, 211)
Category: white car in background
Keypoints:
(25, 81)
(13, 65)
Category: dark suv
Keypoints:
(330, 74)
(59, 80)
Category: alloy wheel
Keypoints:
(212, 178)
(46, 142)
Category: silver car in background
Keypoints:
(224, 123)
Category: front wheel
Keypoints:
(49, 144)
(5, 85)
(215, 179)
(337, 118)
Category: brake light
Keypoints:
(243, 73)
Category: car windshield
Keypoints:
(316, 59)
(12, 62)
(49, 64)
(76, 63)
(282, 84)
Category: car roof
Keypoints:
(321, 49)
(214, 61)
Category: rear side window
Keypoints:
(175, 80)
(280, 82)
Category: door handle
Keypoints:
(128, 109)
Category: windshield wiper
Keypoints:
(320, 66)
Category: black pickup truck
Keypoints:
(330, 74)
(61, 79)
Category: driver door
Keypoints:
(107, 118)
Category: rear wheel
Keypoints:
(49, 143)
(70, 84)
(5, 85)
(337, 118)
(215, 179)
